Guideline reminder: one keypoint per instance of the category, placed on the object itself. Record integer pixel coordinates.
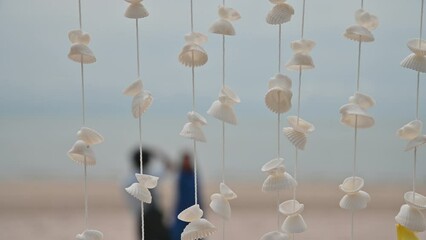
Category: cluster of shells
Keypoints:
(362, 31)
(198, 227)
(354, 114)
(219, 202)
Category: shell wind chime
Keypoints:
(193, 55)
(354, 114)
(410, 218)
(278, 100)
(81, 152)
(142, 100)
(223, 110)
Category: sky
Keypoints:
(40, 88)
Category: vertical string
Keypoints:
(223, 60)
(295, 175)
(83, 101)
(414, 172)
(141, 172)
(298, 97)
(352, 225)
(421, 20)
(303, 20)
(355, 147)
(79, 15)
(86, 210)
(278, 210)
(359, 64)
(137, 49)
(417, 95)
(195, 173)
(192, 17)
(223, 151)
(362, 4)
(279, 48)
(278, 131)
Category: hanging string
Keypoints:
(352, 225)
(195, 174)
(86, 211)
(141, 172)
(299, 93)
(137, 49)
(278, 210)
(355, 147)
(223, 123)
(362, 4)
(279, 48)
(79, 15)
(359, 64)
(192, 17)
(303, 20)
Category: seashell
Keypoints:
(298, 139)
(136, 10)
(78, 36)
(411, 218)
(302, 46)
(416, 142)
(195, 117)
(415, 200)
(415, 62)
(146, 180)
(193, 55)
(191, 214)
(279, 182)
(410, 130)
(89, 136)
(271, 166)
(280, 80)
(405, 233)
(220, 206)
(300, 125)
(352, 184)
(90, 235)
(294, 224)
(140, 192)
(291, 207)
(351, 113)
(223, 112)
(355, 201)
(82, 153)
(363, 100)
(197, 229)
(300, 61)
(141, 103)
(277, 1)
(358, 33)
(196, 37)
(134, 89)
(280, 13)
(275, 235)
(222, 26)
(227, 96)
(278, 100)
(193, 131)
(366, 19)
(81, 53)
(417, 46)
(229, 14)
(227, 192)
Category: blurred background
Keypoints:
(41, 189)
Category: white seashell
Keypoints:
(363, 100)
(410, 130)
(220, 206)
(78, 36)
(416, 142)
(415, 62)
(294, 224)
(146, 180)
(136, 10)
(195, 117)
(222, 26)
(300, 61)
(355, 201)
(415, 200)
(223, 112)
(191, 214)
(352, 184)
(279, 182)
(302, 46)
(366, 19)
(229, 14)
(81, 53)
(134, 89)
(140, 192)
(417, 46)
(193, 54)
(89, 136)
(291, 207)
(227, 192)
(275, 235)
(280, 13)
(358, 33)
(298, 139)
(193, 131)
(227, 96)
(90, 235)
(141, 103)
(278, 100)
(300, 125)
(411, 218)
(351, 113)
(82, 153)
(271, 166)
(197, 229)
(280, 80)
(196, 37)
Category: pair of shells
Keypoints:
(223, 25)
(198, 227)
(135, 10)
(278, 97)
(298, 131)
(79, 51)
(416, 61)
(192, 129)
(275, 235)
(142, 99)
(280, 13)
(366, 23)
(355, 199)
(354, 113)
(81, 152)
(219, 202)
(294, 222)
(140, 190)
(301, 59)
(278, 179)
(412, 131)
(223, 109)
(90, 235)
(192, 54)
(411, 217)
